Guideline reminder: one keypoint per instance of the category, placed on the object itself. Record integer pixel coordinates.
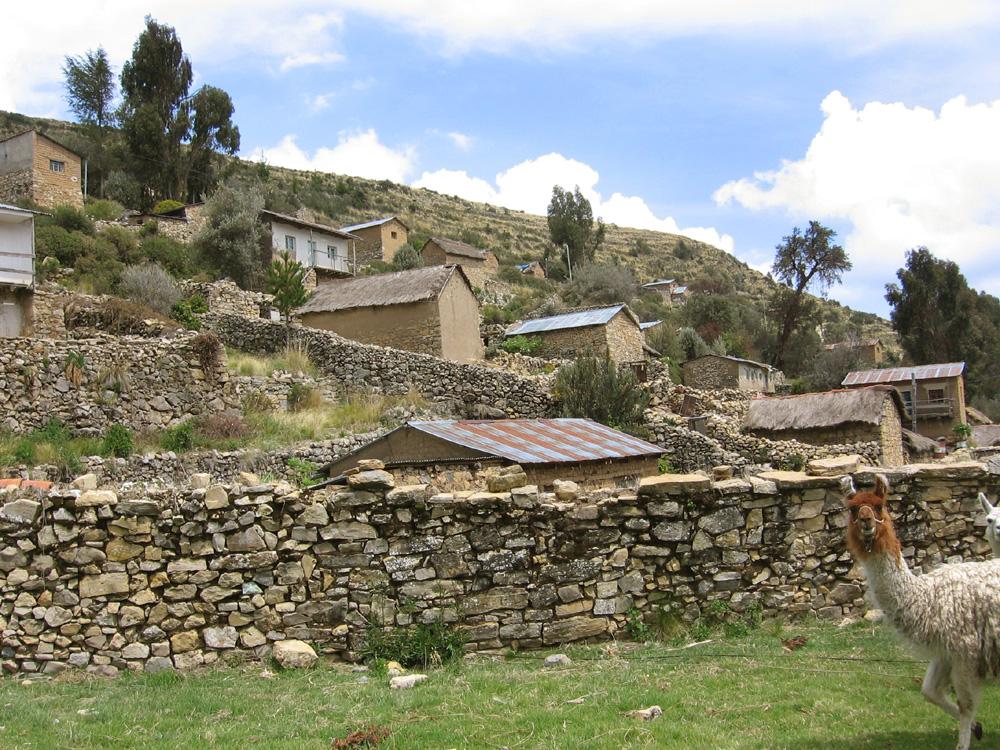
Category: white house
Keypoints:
(316, 246)
(17, 270)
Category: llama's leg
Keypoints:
(936, 682)
(966, 683)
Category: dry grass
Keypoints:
(294, 359)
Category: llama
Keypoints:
(992, 523)
(952, 613)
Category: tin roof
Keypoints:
(373, 223)
(904, 374)
(296, 221)
(680, 289)
(649, 324)
(539, 441)
(578, 319)
(660, 282)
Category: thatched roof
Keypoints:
(986, 435)
(382, 289)
(817, 410)
(454, 247)
(917, 443)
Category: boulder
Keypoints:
(21, 511)
(566, 491)
(85, 482)
(832, 467)
(95, 498)
(376, 479)
(294, 654)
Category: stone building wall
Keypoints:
(50, 188)
(569, 343)
(227, 297)
(172, 579)
(473, 390)
(625, 339)
(891, 435)
(141, 383)
(15, 186)
(413, 327)
(711, 373)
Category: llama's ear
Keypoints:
(847, 487)
(881, 486)
(984, 501)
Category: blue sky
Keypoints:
(665, 113)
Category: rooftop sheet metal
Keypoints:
(365, 225)
(649, 324)
(566, 320)
(659, 282)
(680, 289)
(904, 374)
(540, 441)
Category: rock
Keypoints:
(118, 550)
(370, 464)
(294, 654)
(95, 498)
(56, 616)
(573, 629)
(314, 515)
(216, 497)
(831, 467)
(506, 482)
(874, 615)
(85, 482)
(722, 473)
(405, 682)
(249, 540)
(566, 491)
(721, 520)
(103, 585)
(21, 511)
(158, 664)
(349, 530)
(376, 479)
(646, 714)
(252, 638)
(560, 660)
(200, 481)
(135, 651)
(185, 641)
(248, 479)
(220, 638)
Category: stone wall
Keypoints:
(473, 390)
(226, 297)
(161, 579)
(711, 373)
(181, 230)
(625, 339)
(141, 383)
(15, 186)
(569, 343)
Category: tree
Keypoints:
(233, 239)
(406, 258)
(596, 388)
(285, 280)
(212, 130)
(571, 223)
(802, 260)
(90, 94)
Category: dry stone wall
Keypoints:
(172, 579)
(473, 390)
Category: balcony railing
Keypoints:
(931, 408)
(327, 261)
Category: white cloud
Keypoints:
(302, 59)
(528, 187)
(901, 177)
(360, 154)
(320, 102)
(462, 141)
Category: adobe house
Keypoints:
(671, 292)
(478, 264)
(584, 451)
(324, 251)
(36, 167)
(428, 310)
(873, 413)
(605, 330)
(869, 351)
(933, 395)
(378, 239)
(715, 371)
(17, 270)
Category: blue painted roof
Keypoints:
(566, 320)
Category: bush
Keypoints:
(232, 235)
(422, 646)
(118, 442)
(72, 219)
(522, 344)
(55, 242)
(595, 387)
(166, 206)
(124, 242)
(303, 472)
(208, 349)
(47, 267)
(149, 284)
(103, 210)
(180, 437)
(97, 269)
(149, 228)
(598, 283)
(257, 402)
(223, 427)
(406, 257)
(186, 311)
(122, 188)
(172, 255)
(301, 397)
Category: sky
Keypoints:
(727, 121)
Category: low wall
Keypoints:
(160, 579)
(476, 391)
(139, 382)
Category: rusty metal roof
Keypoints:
(539, 441)
(904, 374)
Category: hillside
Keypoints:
(513, 235)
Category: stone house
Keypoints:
(605, 330)
(36, 167)
(715, 371)
(429, 310)
(17, 270)
(324, 251)
(588, 453)
(870, 352)
(933, 395)
(378, 239)
(479, 264)
(873, 413)
(672, 292)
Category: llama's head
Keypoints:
(992, 523)
(869, 525)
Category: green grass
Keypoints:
(293, 359)
(735, 694)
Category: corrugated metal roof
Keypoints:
(296, 221)
(649, 324)
(680, 289)
(904, 374)
(661, 282)
(372, 223)
(579, 319)
(539, 441)
(8, 207)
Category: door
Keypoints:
(11, 321)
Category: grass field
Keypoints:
(846, 689)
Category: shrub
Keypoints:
(72, 219)
(114, 377)
(166, 206)
(55, 242)
(186, 311)
(172, 255)
(149, 284)
(118, 442)
(596, 388)
(73, 367)
(223, 427)
(233, 234)
(208, 349)
(122, 188)
(149, 228)
(598, 283)
(303, 472)
(406, 257)
(180, 437)
(257, 402)
(522, 344)
(494, 314)
(301, 397)
(47, 267)
(124, 242)
(685, 251)
(103, 210)
(98, 268)
(422, 646)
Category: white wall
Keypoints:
(302, 237)
(17, 252)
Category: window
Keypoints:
(312, 246)
(289, 243)
(392, 234)
(331, 250)
(935, 394)
(57, 166)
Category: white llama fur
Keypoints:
(992, 523)
(952, 615)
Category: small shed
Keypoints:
(834, 417)
(581, 450)
(35, 166)
(378, 239)
(478, 263)
(715, 371)
(17, 270)
(604, 330)
(428, 310)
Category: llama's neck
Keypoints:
(891, 583)
(995, 546)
